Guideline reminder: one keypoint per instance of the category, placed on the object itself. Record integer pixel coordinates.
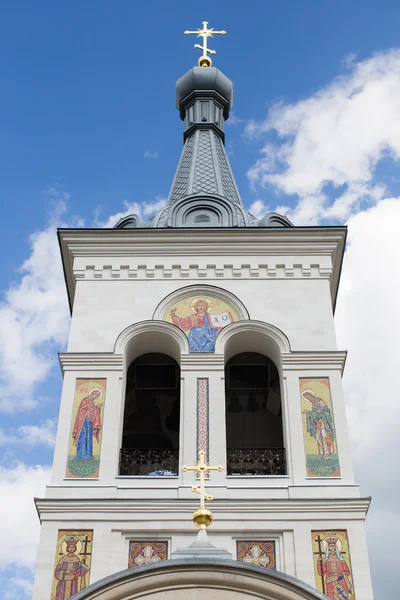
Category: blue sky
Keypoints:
(89, 128)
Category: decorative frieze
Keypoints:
(202, 428)
(203, 271)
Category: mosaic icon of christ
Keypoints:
(203, 326)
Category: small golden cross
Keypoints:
(202, 468)
(205, 60)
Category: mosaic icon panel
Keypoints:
(319, 432)
(201, 318)
(258, 553)
(86, 429)
(72, 563)
(146, 552)
(332, 564)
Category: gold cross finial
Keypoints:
(205, 60)
(202, 517)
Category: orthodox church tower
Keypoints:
(203, 334)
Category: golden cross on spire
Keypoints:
(202, 517)
(205, 60)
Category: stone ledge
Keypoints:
(88, 361)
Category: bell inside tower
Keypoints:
(254, 429)
(150, 439)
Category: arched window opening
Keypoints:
(254, 431)
(150, 438)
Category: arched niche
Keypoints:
(254, 345)
(150, 433)
(253, 414)
(252, 336)
(157, 343)
(201, 312)
(151, 336)
(199, 578)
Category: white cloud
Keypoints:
(150, 154)
(259, 209)
(383, 527)
(130, 208)
(16, 586)
(143, 209)
(368, 325)
(33, 317)
(149, 208)
(335, 138)
(30, 435)
(19, 525)
(325, 152)
(234, 120)
(33, 435)
(34, 321)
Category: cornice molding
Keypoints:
(272, 241)
(303, 361)
(291, 361)
(308, 507)
(199, 242)
(93, 361)
(202, 361)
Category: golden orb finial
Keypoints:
(202, 517)
(205, 60)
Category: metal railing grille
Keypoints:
(154, 461)
(256, 461)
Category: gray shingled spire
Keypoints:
(204, 191)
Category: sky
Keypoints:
(89, 132)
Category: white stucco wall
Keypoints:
(291, 534)
(302, 308)
(293, 294)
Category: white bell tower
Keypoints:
(203, 330)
